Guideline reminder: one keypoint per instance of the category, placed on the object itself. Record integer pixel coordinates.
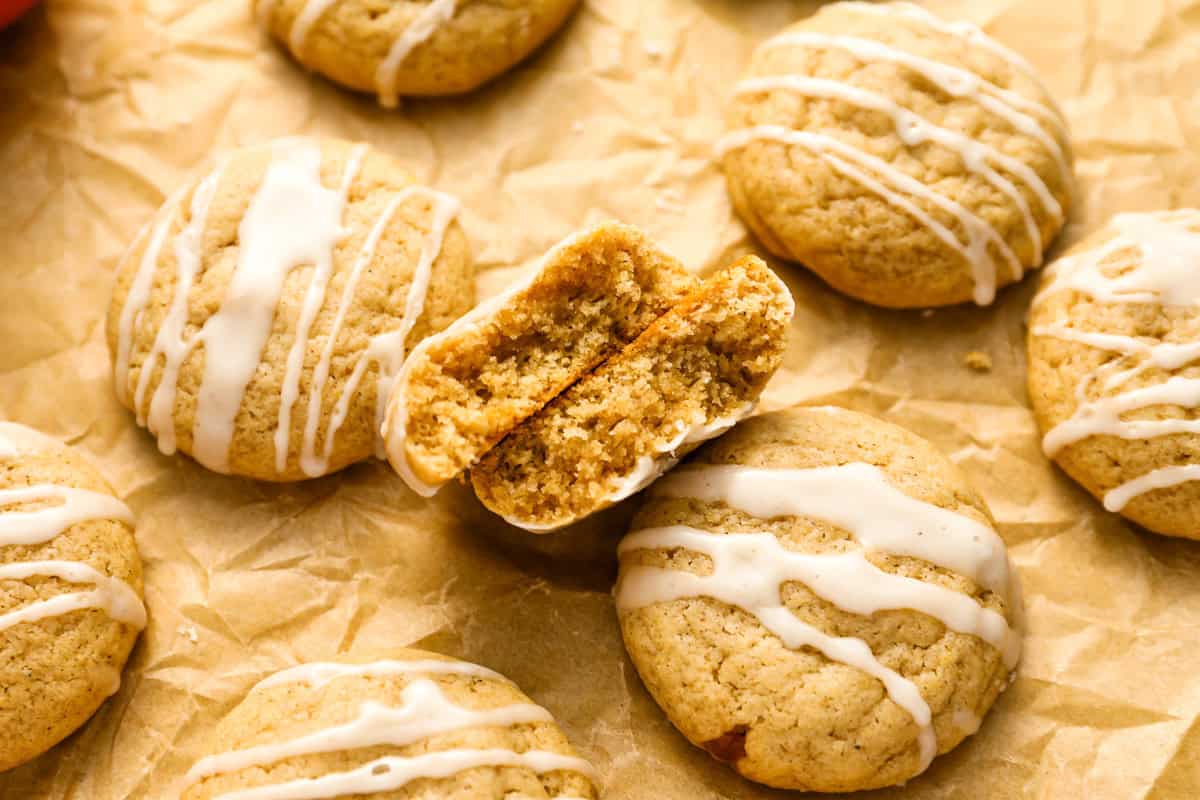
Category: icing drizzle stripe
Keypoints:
(750, 570)
(1153, 258)
(424, 712)
(892, 185)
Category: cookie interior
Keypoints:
(464, 390)
(690, 375)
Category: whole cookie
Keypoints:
(906, 160)
(259, 322)
(819, 599)
(411, 47)
(409, 724)
(1114, 367)
(70, 592)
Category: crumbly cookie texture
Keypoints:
(403, 725)
(1114, 367)
(70, 592)
(463, 390)
(258, 322)
(690, 376)
(907, 160)
(819, 599)
(412, 47)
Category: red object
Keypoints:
(11, 9)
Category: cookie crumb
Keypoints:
(189, 632)
(730, 746)
(978, 361)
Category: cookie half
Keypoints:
(689, 377)
(1114, 367)
(907, 160)
(70, 592)
(819, 599)
(258, 323)
(463, 390)
(411, 47)
(409, 724)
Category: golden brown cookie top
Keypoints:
(411, 47)
(70, 592)
(405, 724)
(258, 322)
(908, 160)
(1114, 367)
(820, 598)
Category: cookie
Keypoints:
(259, 322)
(70, 592)
(411, 47)
(463, 390)
(1114, 367)
(690, 376)
(906, 160)
(409, 725)
(819, 599)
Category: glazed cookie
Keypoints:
(259, 322)
(1114, 367)
(819, 599)
(411, 725)
(463, 390)
(689, 377)
(411, 47)
(70, 592)
(906, 160)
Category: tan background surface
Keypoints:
(105, 107)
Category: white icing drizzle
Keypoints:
(960, 28)
(169, 343)
(293, 220)
(1153, 258)
(425, 711)
(648, 468)
(881, 517)
(750, 570)
(22, 527)
(837, 153)
(423, 26)
(312, 11)
(319, 673)
(846, 579)
(426, 23)
(392, 772)
(1162, 478)
(913, 130)
(387, 349)
(314, 298)
(40, 525)
(16, 438)
(153, 235)
(111, 595)
(395, 424)
(897, 187)
(1017, 110)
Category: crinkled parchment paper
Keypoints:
(105, 107)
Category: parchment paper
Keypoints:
(105, 107)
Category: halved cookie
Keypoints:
(462, 391)
(691, 376)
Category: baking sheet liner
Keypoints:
(106, 107)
